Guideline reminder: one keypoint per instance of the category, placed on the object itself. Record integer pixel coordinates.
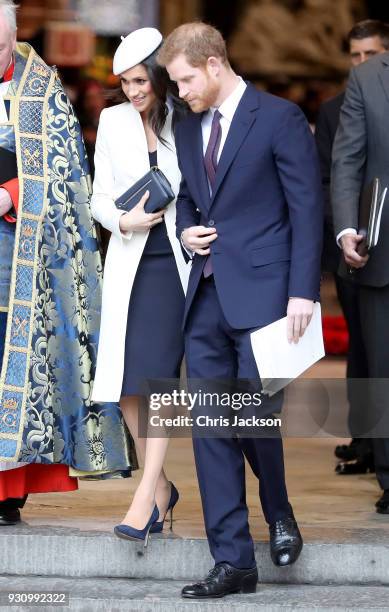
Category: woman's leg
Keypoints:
(154, 486)
(130, 410)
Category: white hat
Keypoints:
(135, 48)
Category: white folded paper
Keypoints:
(279, 362)
(3, 113)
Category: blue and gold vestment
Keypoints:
(52, 304)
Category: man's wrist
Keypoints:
(189, 252)
(348, 230)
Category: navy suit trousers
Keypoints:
(214, 350)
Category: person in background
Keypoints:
(361, 154)
(50, 276)
(90, 102)
(145, 275)
(366, 39)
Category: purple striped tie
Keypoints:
(210, 161)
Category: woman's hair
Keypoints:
(164, 90)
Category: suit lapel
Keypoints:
(240, 126)
(195, 146)
(384, 74)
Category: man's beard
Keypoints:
(207, 99)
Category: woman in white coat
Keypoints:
(145, 276)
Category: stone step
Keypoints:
(339, 557)
(118, 595)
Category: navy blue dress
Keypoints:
(154, 339)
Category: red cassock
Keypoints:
(36, 478)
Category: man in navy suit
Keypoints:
(250, 213)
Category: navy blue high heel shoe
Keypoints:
(130, 533)
(157, 527)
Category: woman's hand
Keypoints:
(137, 220)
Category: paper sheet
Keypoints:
(279, 362)
(3, 112)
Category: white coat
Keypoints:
(121, 158)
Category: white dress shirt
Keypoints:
(227, 110)
(348, 230)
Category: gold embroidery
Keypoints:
(28, 231)
(20, 330)
(10, 404)
(7, 421)
(41, 70)
(36, 85)
(32, 159)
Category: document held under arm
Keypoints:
(279, 362)
(370, 214)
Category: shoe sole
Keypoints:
(248, 586)
(122, 536)
(235, 592)
(349, 472)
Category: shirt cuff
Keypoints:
(348, 230)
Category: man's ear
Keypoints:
(213, 65)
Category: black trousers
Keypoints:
(357, 363)
(374, 309)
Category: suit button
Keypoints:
(211, 223)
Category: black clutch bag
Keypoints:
(161, 193)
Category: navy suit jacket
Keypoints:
(266, 206)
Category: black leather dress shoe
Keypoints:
(363, 465)
(222, 580)
(382, 504)
(9, 517)
(285, 541)
(348, 452)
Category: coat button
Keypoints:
(211, 223)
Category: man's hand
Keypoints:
(198, 238)
(299, 314)
(137, 220)
(349, 243)
(5, 202)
